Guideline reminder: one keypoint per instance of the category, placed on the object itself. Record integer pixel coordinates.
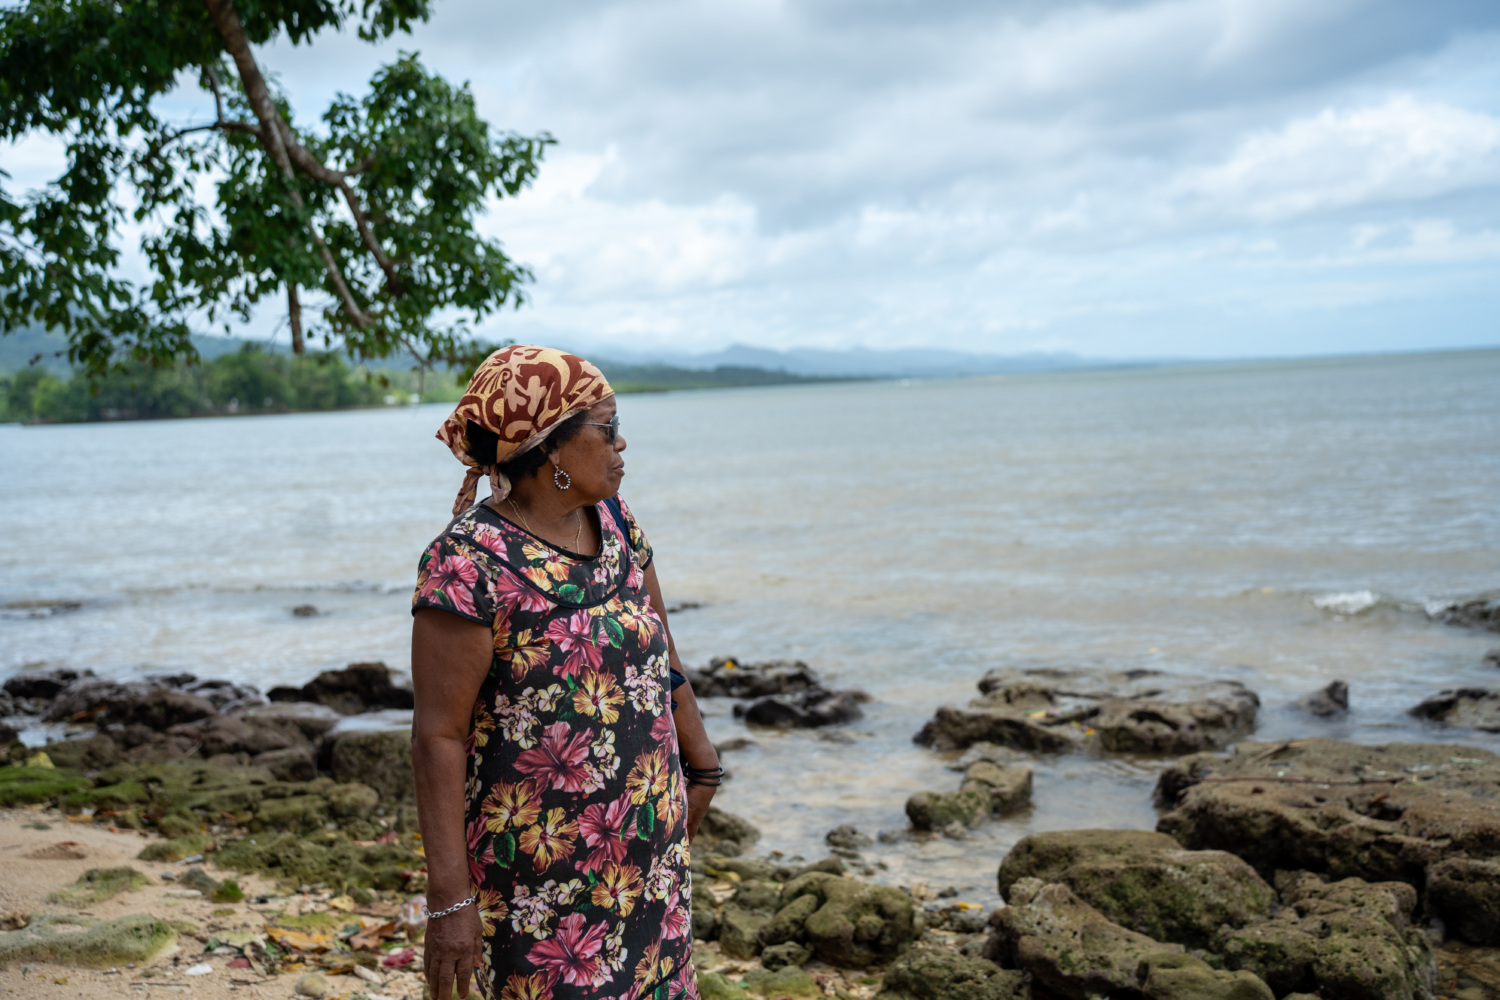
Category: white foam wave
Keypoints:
(1354, 602)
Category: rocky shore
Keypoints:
(199, 835)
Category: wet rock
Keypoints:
(968, 807)
(854, 924)
(224, 695)
(87, 754)
(1182, 977)
(933, 974)
(379, 759)
(846, 837)
(728, 677)
(1137, 711)
(1468, 708)
(1351, 940)
(1008, 788)
(1465, 893)
(44, 685)
(359, 687)
(232, 734)
(1381, 813)
(725, 833)
(1328, 701)
(814, 707)
(739, 931)
(290, 764)
(1483, 612)
(779, 956)
(159, 708)
(1071, 949)
(1145, 881)
(300, 721)
(1492, 658)
(87, 699)
(788, 981)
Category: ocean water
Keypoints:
(1282, 524)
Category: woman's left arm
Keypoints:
(693, 744)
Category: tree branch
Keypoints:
(273, 135)
(227, 126)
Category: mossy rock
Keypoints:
(22, 784)
(98, 884)
(791, 981)
(113, 797)
(176, 826)
(717, 986)
(379, 760)
(87, 754)
(739, 931)
(855, 924)
(933, 974)
(93, 944)
(298, 813)
(1182, 977)
(175, 849)
(934, 810)
(329, 860)
(313, 923)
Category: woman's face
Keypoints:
(595, 465)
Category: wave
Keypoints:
(1352, 603)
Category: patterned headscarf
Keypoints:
(519, 393)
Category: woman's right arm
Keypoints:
(450, 657)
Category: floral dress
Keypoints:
(575, 805)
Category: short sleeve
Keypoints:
(637, 537)
(451, 577)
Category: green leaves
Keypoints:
(375, 208)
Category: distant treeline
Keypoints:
(255, 380)
(250, 380)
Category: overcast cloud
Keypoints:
(1190, 177)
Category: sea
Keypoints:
(1279, 523)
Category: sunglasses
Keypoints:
(611, 429)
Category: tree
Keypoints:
(374, 207)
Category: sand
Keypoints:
(25, 883)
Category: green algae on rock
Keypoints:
(1145, 881)
(176, 849)
(1182, 977)
(98, 884)
(25, 784)
(790, 981)
(935, 974)
(855, 924)
(717, 986)
(87, 942)
(330, 860)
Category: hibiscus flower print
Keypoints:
(531, 913)
(679, 919)
(480, 727)
(571, 954)
(661, 880)
(648, 778)
(574, 635)
(525, 654)
(481, 850)
(512, 594)
(607, 828)
(537, 986)
(664, 732)
(598, 697)
(492, 910)
(450, 581)
(517, 723)
(559, 761)
(645, 690)
(549, 840)
(560, 893)
(545, 700)
(542, 557)
(645, 969)
(510, 806)
(619, 887)
(671, 804)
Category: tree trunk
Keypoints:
(294, 313)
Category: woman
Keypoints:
(555, 811)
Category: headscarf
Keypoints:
(519, 393)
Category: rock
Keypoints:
(1071, 949)
(814, 707)
(1182, 977)
(97, 885)
(137, 938)
(967, 807)
(224, 695)
(8, 734)
(233, 734)
(291, 764)
(380, 759)
(1196, 717)
(1145, 881)
(855, 924)
(86, 699)
(1381, 813)
(359, 687)
(788, 981)
(847, 838)
(778, 956)
(1328, 701)
(1483, 612)
(933, 974)
(717, 986)
(1009, 788)
(314, 984)
(88, 754)
(1492, 658)
(1465, 893)
(1469, 708)
(300, 721)
(157, 708)
(725, 833)
(739, 931)
(1137, 711)
(43, 685)
(1350, 940)
(728, 677)
(705, 912)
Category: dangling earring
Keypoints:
(561, 479)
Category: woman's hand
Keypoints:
(698, 798)
(453, 948)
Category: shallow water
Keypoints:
(1282, 524)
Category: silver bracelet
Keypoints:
(443, 913)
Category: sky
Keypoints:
(1188, 178)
